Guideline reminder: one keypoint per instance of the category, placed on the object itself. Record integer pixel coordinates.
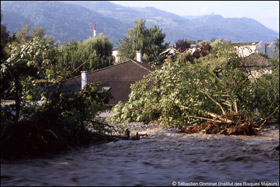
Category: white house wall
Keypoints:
(271, 51)
(247, 50)
(260, 47)
(244, 51)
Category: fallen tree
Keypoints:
(211, 92)
(234, 124)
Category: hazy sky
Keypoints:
(266, 12)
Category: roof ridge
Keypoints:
(136, 62)
(246, 43)
(77, 76)
(107, 67)
(114, 65)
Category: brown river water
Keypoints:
(164, 157)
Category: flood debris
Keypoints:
(128, 137)
(233, 124)
(136, 137)
(127, 134)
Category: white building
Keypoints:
(247, 48)
(271, 50)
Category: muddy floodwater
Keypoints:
(164, 157)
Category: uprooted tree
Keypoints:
(215, 89)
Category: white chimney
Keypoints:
(83, 79)
(138, 56)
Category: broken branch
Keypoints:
(265, 120)
(215, 102)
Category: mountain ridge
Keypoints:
(60, 18)
(73, 20)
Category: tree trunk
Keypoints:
(17, 97)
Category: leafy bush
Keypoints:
(77, 109)
(39, 123)
(59, 122)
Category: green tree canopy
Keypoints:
(4, 40)
(34, 62)
(182, 45)
(91, 54)
(149, 41)
(99, 50)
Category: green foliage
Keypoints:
(266, 94)
(69, 58)
(4, 55)
(29, 67)
(148, 41)
(276, 41)
(4, 40)
(28, 61)
(58, 120)
(205, 47)
(77, 110)
(190, 91)
(73, 54)
(36, 61)
(182, 45)
(57, 124)
(218, 45)
(101, 48)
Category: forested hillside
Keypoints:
(64, 21)
(73, 20)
